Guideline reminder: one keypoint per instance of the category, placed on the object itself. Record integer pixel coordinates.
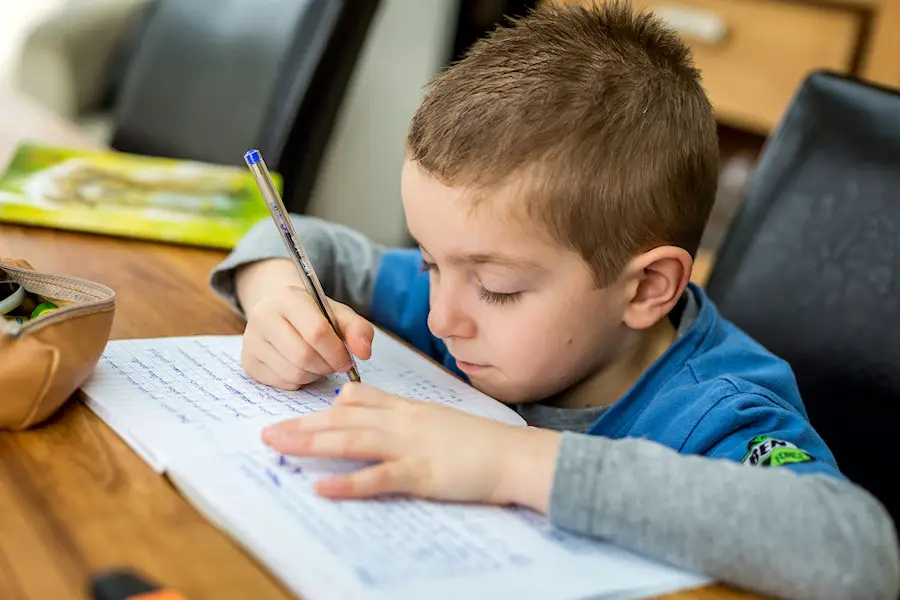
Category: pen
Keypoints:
(257, 167)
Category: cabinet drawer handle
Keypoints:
(692, 23)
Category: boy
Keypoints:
(557, 182)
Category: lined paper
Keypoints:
(186, 405)
(401, 548)
(189, 396)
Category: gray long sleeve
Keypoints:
(767, 530)
(345, 260)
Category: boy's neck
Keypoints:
(615, 379)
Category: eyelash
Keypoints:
(486, 295)
(497, 298)
(427, 267)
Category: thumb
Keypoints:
(357, 331)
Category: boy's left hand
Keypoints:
(425, 449)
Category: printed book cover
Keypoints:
(128, 195)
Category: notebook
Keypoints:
(130, 195)
(186, 406)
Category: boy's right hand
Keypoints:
(288, 342)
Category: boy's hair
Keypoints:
(597, 112)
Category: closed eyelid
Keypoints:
(498, 297)
(501, 289)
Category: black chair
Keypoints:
(209, 79)
(810, 267)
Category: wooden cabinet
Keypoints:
(753, 54)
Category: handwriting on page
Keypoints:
(196, 381)
(390, 541)
(403, 548)
(192, 396)
(187, 404)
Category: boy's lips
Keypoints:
(467, 367)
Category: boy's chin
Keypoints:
(504, 392)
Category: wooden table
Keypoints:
(74, 498)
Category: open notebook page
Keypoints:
(189, 396)
(405, 549)
(187, 407)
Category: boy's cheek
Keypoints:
(535, 352)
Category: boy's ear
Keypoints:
(656, 280)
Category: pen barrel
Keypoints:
(295, 249)
(291, 240)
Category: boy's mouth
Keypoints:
(467, 367)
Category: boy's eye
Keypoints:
(484, 294)
(496, 297)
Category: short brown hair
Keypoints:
(600, 109)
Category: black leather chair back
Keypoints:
(810, 267)
(213, 78)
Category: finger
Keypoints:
(294, 375)
(339, 418)
(263, 374)
(351, 444)
(393, 477)
(357, 331)
(361, 394)
(291, 345)
(313, 326)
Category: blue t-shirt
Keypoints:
(715, 391)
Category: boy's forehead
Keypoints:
(502, 206)
(471, 225)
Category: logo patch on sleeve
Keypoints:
(767, 451)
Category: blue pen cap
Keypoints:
(252, 157)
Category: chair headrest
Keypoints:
(810, 267)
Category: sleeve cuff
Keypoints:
(259, 243)
(576, 497)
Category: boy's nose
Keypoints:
(446, 318)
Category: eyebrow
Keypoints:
(490, 258)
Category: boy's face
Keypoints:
(521, 315)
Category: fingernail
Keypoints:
(345, 367)
(367, 343)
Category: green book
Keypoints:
(129, 195)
